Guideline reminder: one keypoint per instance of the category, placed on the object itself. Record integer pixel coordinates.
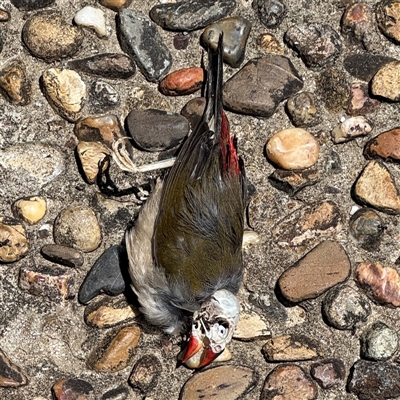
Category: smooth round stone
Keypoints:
(48, 36)
(156, 130)
(103, 96)
(62, 255)
(367, 227)
(359, 102)
(301, 109)
(288, 382)
(270, 12)
(94, 159)
(145, 372)
(93, 18)
(182, 82)
(386, 82)
(73, 388)
(65, 91)
(317, 44)
(15, 84)
(118, 393)
(328, 373)
(30, 209)
(31, 5)
(346, 308)
(386, 145)
(388, 18)
(11, 375)
(379, 342)
(13, 239)
(115, 5)
(350, 129)
(236, 31)
(77, 227)
(190, 15)
(140, 39)
(293, 148)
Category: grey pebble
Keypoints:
(62, 255)
(119, 393)
(193, 111)
(189, 15)
(345, 308)
(103, 96)
(270, 12)
(302, 110)
(379, 342)
(140, 38)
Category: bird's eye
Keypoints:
(222, 331)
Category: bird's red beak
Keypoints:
(193, 347)
(208, 356)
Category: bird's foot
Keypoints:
(125, 162)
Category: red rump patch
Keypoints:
(229, 154)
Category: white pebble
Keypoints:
(93, 18)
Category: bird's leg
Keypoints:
(125, 163)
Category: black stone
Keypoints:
(106, 275)
(119, 393)
(30, 5)
(292, 182)
(11, 375)
(63, 255)
(107, 65)
(370, 380)
(365, 66)
(334, 89)
(270, 12)
(190, 15)
(140, 38)
(156, 130)
(103, 96)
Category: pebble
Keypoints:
(14, 243)
(251, 326)
(30, 209)
(182, 82)
(290, 348)
(292, 148)
(379, 342)
(367, 227)
(228, 382)
(193, 110)
(317, 44)
(386, 82)
(351, 128)
(359, 102)
(357, 21)
(270, 44)
(94, 159)
(332, 86)
(62, 255)
(109, 311)
(32, 164)
(77, 227)
(31, 5)
(156, 130)
(4, 16)
(236, 31)
(190, 15)
(374, 380)
(65, 91)
(105, 276)
(386, 145)
(145, 373)
(115, 5)
(323, 267)
(94, 19)
(181, 41)
(119, 393)
(388, 18)
(308, 223)
(51, 281)
(11, 376)
(345, 308)
(259, 87)
(302, 110)
(291, 182)
(270, 12)
(365, 66)
(140, 38)
(381, 283)
(48, 36)
(375, 187)
(118, 352)
(107, 65)
(329, 372)
(73, 389)
(288, 382)
(103, 96)
(15, 85)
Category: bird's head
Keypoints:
(213, 326)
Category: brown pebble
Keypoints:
(357, 20)
(73, 389)
(251, 326)
(144, 375)
(193, 111)
(290, 348)
(62, 255)
(386, 82)
(381, 283)
(118, 353)
(322, 268)
(270, 44)
(11, 376)
(288, 382)
(115, 5)
(13, 240)
(292, 182)
(94, 158)
(182, 82)
(15, 84)
(328, 373)
(181, 41)
(4, 15)
(386, 145)
(388, 18)
(30, 209)
(359, 102)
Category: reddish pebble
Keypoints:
(182, 82)
(73, 389)
(386, 146)
(381, 283)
